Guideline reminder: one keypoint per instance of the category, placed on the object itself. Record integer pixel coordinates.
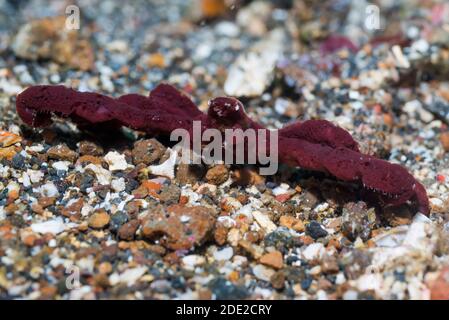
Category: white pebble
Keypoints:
(25, 179)
(350, 295)
(54, 226)
(228, 29)
(193, 260)
(224, 254)
(263, 273)
(130, 276)
(264, 221)
(49, 190)
(313, 251)
(118, 185)
(103, 175)
(116, 161)
(35, 175)
(61, 165)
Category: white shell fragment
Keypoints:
(54, 226)
(116, 161)
(166, 169)
(264, 221)
(104, 176)
(131, 276)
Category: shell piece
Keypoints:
(54, 226)
(166, 169)
(116, 161)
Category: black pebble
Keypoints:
(225, 290)
(305, 284)
(18, 162)
(315, 230)
(131, 185)
(117, 220)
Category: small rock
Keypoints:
(105, 268)
(277, 280)
(37, 208)
(29, 239)
(8, 139)
(227, 28)
(439, 289)
(8, 152)
(263, 273)
(313, 251)
(193, 260)
(444, 138)
(224, 254)
(62, 152)
(156, 60)
(48, 190)
(170, 194)
(218, 174)
(147, 151)
(14, 191)
(18, 161)
(254, 17)
(35, 175)
(54, 226)
(281, 239)
(213, 8)
(329, 264)
(116, 161)
(273, 259)
(130, 276)
(254, 250)
(118, 219)
(72, 209)
(246, 176)
(200, 10)
(118, 185)
(99, 219)
(61, 165)
(128, 230)
(223, 289)
(181, 227)
(350, 295)
(88, 148)
(220, 234)
(263, 220)
(356, 263)
(86, 159)
(103, 176)
(283, 197)
(189, 174)
(292, 223)
(315, 230)
(357, 221)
